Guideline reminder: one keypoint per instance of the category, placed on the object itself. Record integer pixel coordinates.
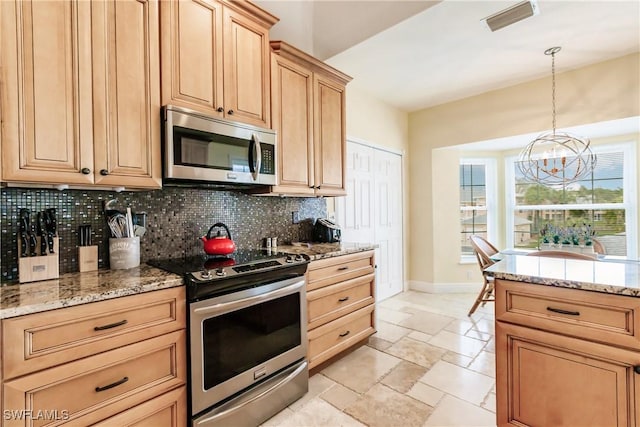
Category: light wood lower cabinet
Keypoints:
(566, 357)
(340, 304)
(124, 357)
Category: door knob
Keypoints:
(85, 171)
(104, 172)
(636, 369)
(230, 112)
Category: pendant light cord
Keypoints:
(553, 90)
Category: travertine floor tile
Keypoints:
(457, 359)
(390, 332)
(417, 352)
(460, 344)
(485, 363)
(420, 336)
(361, 369)
(318, 413)
(458, 413)
(384, 407)
(378, 343)
(460, 382)
(391, 316)
(404, 376)
(340, 396)
(318, 384)
(427, 394)
(429, 323)
(459, 326)
(490, 402)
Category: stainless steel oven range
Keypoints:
(247, 334)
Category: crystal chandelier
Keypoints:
(556, 157)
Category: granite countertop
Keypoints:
(318, 251)
(81, 288)
(621, 277)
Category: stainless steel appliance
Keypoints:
(247, 334)
(326, 231)
(202, 149)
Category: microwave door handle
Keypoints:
(255, 139)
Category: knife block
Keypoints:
(87, 258)
(41, 267)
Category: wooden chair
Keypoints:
(562, 254)
(483, 250)
(598, 247)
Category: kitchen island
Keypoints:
(567, 341)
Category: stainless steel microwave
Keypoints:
(202, 149)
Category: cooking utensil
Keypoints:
(24, 230)
(42, 227)
(84, 235)
(118, 225)
(51, 226)
(218, 244)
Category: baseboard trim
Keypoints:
(444, 288)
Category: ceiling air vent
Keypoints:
(512, 15)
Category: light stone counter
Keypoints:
(318, 251)
(81, 288)
(622, 277)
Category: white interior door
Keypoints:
(371, 212)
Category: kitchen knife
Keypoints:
(81, 238)
(24, 229)
(42, 233)
(52, 227)
(33, 241)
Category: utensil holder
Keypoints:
(87, 258)
(42, 267)
(124, 253)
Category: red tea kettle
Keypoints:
(218, 244)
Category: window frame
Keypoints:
(491, 192)
(629, 204)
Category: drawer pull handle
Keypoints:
(343, 268)
(344, 334)
(343, 299)
(636, 369)
(112, 385)
(559, 310)
(111, 325)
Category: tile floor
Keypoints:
(427, 365)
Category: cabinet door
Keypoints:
(292, 109)
(545, 379)
(126, 82)
(246, 70)
(46, 102)
(191, 55)
(329, 136)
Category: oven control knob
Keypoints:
(299, 258)
(220, 272)
(206, 274)
(289, 259)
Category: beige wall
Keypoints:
(605, 91)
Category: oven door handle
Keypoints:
(245, 302)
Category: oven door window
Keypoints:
(240, 340)
(210, 150)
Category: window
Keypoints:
(477, 198)
(603, 201)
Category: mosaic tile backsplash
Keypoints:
(176, 218)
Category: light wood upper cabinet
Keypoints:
(308, 104)
(126, 81)
(46, 91)
(292, 114)
(81, 90)
(215, 58)
(330, 136)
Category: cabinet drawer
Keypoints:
(167, 410)
(94, 388)
(329, 271)
(329, 303)
(334, 337)
(42, 340)
(612, 319)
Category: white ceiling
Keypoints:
(436, 52)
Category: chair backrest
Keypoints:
(562, 254)
(598, 247)
(484, 250)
